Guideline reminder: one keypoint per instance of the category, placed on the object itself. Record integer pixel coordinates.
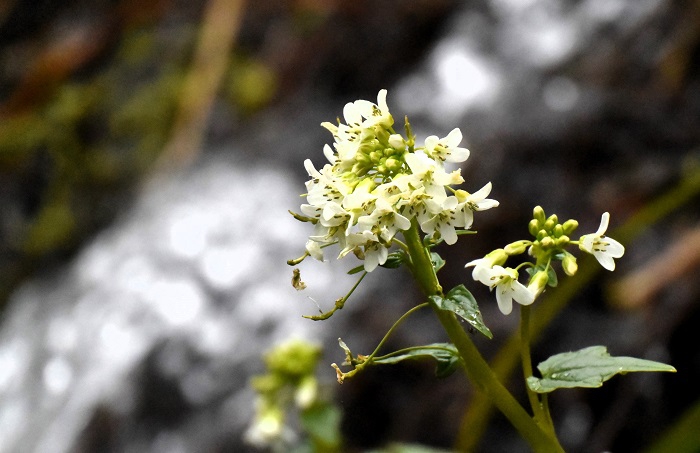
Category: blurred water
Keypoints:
(194, 280)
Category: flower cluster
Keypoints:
(377, 182)
(550, 241)
(289, 381)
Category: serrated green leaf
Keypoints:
(437, 261)
(588, 367)
(461, 302)
(445, 354)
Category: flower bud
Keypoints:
(516, 248)
(382, 135)
(393, 164)
(569, 264)
(558, 230)
(551, 222)
(538, 283)
(562, 241)
(538, 214)
(359, 169)
(497, 258)
(546, 242)
(570, 226)
(533, 227)
(397, 142)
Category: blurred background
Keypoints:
(149, 152)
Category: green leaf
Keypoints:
(552, 280)
(589, 367)
(394, 260)
(322, 423)
(445, 354)
(461, 302)
(437, 261)
(356, 270)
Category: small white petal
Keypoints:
(521, 294)
(505, 301)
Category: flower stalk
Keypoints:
(475, 365)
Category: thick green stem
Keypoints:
(476, 367)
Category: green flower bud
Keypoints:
(366, 148)
(538, 283)
(570, 226)
(382, 135)
(362, 158)
(551, 222)
(562, 241)
(517, 247)
(533, 227)
(569, 264)
(294, 358)
(547, 242)
(375, 156)
(538, 214)
(558, 230)
(497, 258)
(359, 169)
(542, 234)
(393, 164)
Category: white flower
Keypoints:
(418, 204)
(431, 173)
(482, 266)
(602, 247)
(385, 220)
(314, 249)
(334, 215)
(446, 149)
(508, 288)
(443, 221)
(324, 186)
(477, 201)
(374, 253)
(365, 114)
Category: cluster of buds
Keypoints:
(290, 380)
(551, 239)
(377, 182)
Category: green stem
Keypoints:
(391, 330)
(476, 367)
(538, 407)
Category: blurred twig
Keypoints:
(220, 24)
(678, 259)
(480, 410)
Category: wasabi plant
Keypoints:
(388, 200)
